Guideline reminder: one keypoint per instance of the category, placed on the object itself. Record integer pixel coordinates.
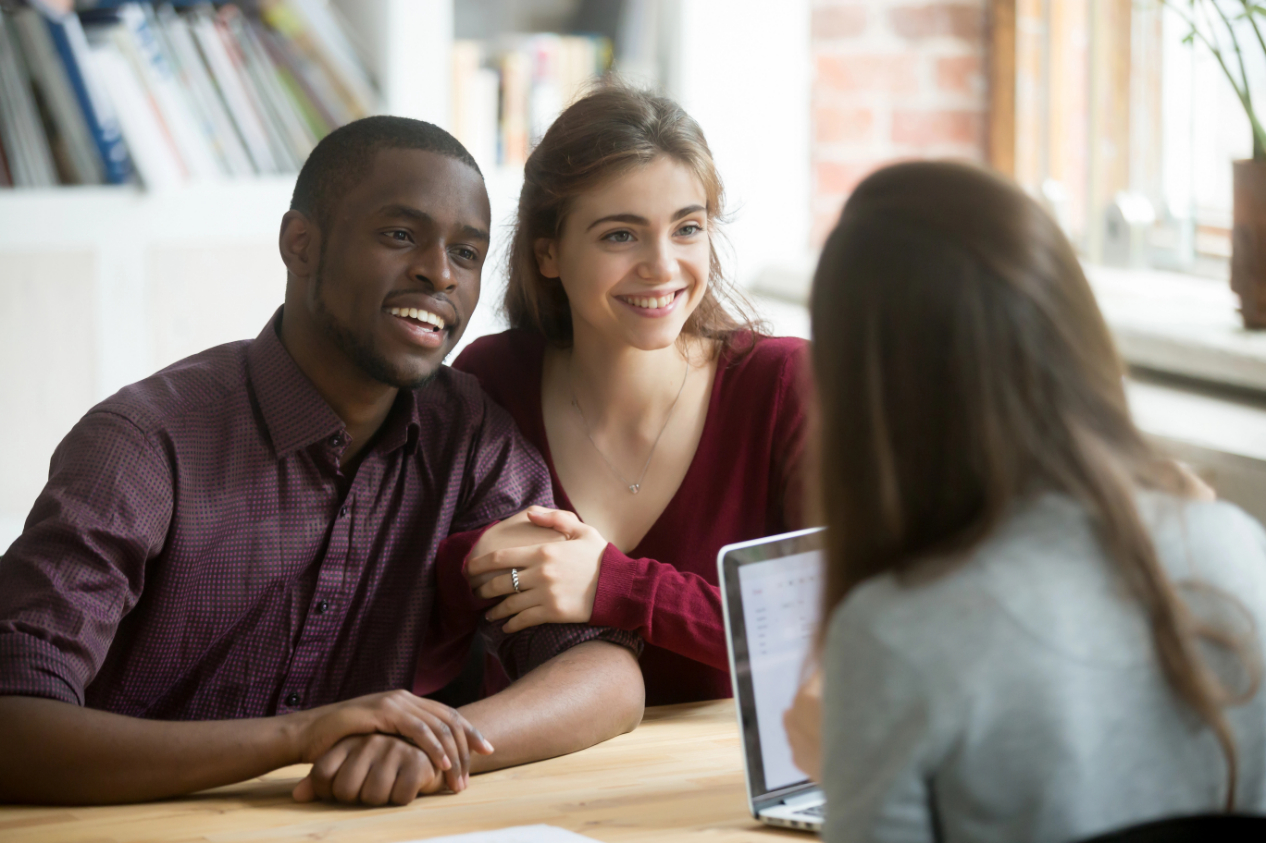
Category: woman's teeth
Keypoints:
(649, 303)
(420, 315)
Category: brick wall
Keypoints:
(893, 80)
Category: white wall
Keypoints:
(742, 69)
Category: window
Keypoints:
(1125, 127)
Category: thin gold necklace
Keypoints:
(633, 488)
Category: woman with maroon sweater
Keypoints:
(670, 425)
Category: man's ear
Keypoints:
(547, 256)
(300, 244)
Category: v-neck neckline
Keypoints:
(563, 500)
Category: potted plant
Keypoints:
(1219, 25)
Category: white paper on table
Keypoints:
(516, 834)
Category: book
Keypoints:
(152, 67)
(5, 179)
(21, 130)
(213, 115)
(171, 93)
(233, 91)
(286, 125)
(71, 43)
(514, 88)
(153, 150)
(73, 147)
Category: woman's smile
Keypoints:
(653, 305)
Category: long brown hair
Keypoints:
(961, 362)
(600, 137)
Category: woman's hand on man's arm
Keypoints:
(557, 558)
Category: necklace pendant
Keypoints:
(634, 488)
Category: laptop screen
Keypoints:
(773, 595)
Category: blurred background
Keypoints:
(148, 151)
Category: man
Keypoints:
(233, 565)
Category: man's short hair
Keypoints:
(344, 156)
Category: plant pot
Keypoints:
(1248, 241)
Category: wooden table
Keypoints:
(677, 776)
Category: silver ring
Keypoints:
(514, 578)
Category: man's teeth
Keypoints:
(420, 315)
(642, 301)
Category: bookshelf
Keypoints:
(101, 286)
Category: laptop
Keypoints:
(771, 591)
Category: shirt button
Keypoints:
(342, 513)
(336, 440)
(293, 699)
(321, 606)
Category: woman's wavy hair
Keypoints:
(961, 363)
(612, 130)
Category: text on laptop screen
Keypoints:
(780, 613)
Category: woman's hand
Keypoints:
(515, 531)
(557, 580)
(803, 722)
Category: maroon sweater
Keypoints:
(742, 484)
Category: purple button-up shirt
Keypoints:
(197, 553)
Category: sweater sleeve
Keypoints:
(668, 608)
(788, 474)
(877, 734)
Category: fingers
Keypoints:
(528, 617)
(459, 760)
(323, 771)
(512, 605)
(511, 557)
(304, 792)
(370, 770)
(348, 780)
(463, 734)
(559, 520)
(503, 584)
(430, 726)
(420, 730)
(463, 753)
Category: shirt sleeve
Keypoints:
(79, 566)
(508, 476)
(877, 742)
(669, 608)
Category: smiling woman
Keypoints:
(670, 423)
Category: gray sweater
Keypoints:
(1019, 698)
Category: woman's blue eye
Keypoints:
(689, 229)
(619, 236)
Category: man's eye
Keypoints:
(399, 235)
(619, 237)
(466, 253)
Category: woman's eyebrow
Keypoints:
(634, 219)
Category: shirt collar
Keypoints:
(296, 415)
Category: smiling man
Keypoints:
(233, 566)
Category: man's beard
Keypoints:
(357, 349)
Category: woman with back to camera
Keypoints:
(1034, 630)
(670, 425)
